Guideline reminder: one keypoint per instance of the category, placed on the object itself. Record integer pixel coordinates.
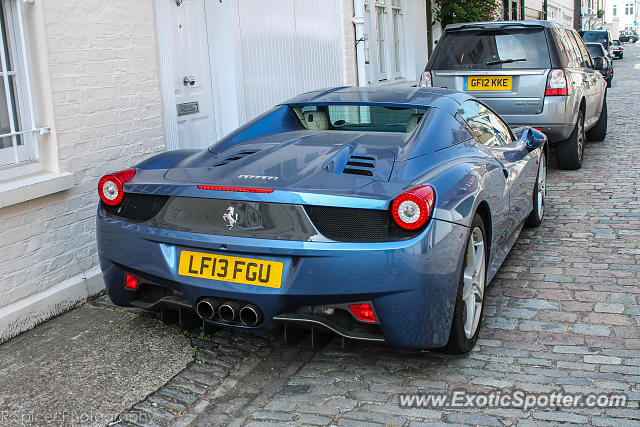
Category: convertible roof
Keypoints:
(400, 95)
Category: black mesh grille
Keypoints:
(137, 207)
(356, 225)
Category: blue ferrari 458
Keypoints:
(375, 214)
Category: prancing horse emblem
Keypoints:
(231, 217)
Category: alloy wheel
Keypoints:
(542, 186)
(581, 136)
(474, 281)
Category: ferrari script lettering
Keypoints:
(262, 177)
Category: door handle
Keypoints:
(189, 80)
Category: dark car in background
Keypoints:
(618, 50)
(628, 36)
(532, 73)
(598, 54)
(599, 36)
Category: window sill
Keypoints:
(28, 187)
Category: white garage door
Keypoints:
(288, 47)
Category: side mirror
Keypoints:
(598, 63)
(535, 139)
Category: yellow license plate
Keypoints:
(487, 83)
(233, 269)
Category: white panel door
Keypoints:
(191, 73)
(288, 47)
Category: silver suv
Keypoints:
(533, 73)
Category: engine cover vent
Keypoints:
(237, 156)
(360, 164)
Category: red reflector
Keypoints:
(560, 91)
(131, 282)
(538, 128)
(238, 189)
(363, 312)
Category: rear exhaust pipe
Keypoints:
(250, 315)
(206, 308)
(228, 311)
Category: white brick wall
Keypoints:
(107, 108)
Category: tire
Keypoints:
(464, 332)
(539, 194)
(599, 131)
(622, 56)
(609, 82)
(569, 152)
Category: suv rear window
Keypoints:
(595, 36)
(493, 49)
(595, 50)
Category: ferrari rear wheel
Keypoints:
(467, 315)
(539, 193)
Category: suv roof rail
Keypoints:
(493, 25)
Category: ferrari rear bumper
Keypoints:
(411, 284)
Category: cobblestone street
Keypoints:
(563, 314)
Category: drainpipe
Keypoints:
(358, 22)
(429, 29)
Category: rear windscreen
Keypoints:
(595, 50)
(492, 50)
(595, 36)
(362, 118)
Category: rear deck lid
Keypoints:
(505, 66)
(336, 161)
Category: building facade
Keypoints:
(94, 86)
(621, 15)
(561, 11)
(591, 14)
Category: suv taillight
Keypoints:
(425, 79)
(557, 83)
(111, 187)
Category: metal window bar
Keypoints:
(27, 80)
(14, 13)
(7, 92)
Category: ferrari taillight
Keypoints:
(413, 209)
(111, 187)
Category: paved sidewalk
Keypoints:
(86, 367)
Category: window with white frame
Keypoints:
(384, 40)
(628, 9)
(18, 132)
